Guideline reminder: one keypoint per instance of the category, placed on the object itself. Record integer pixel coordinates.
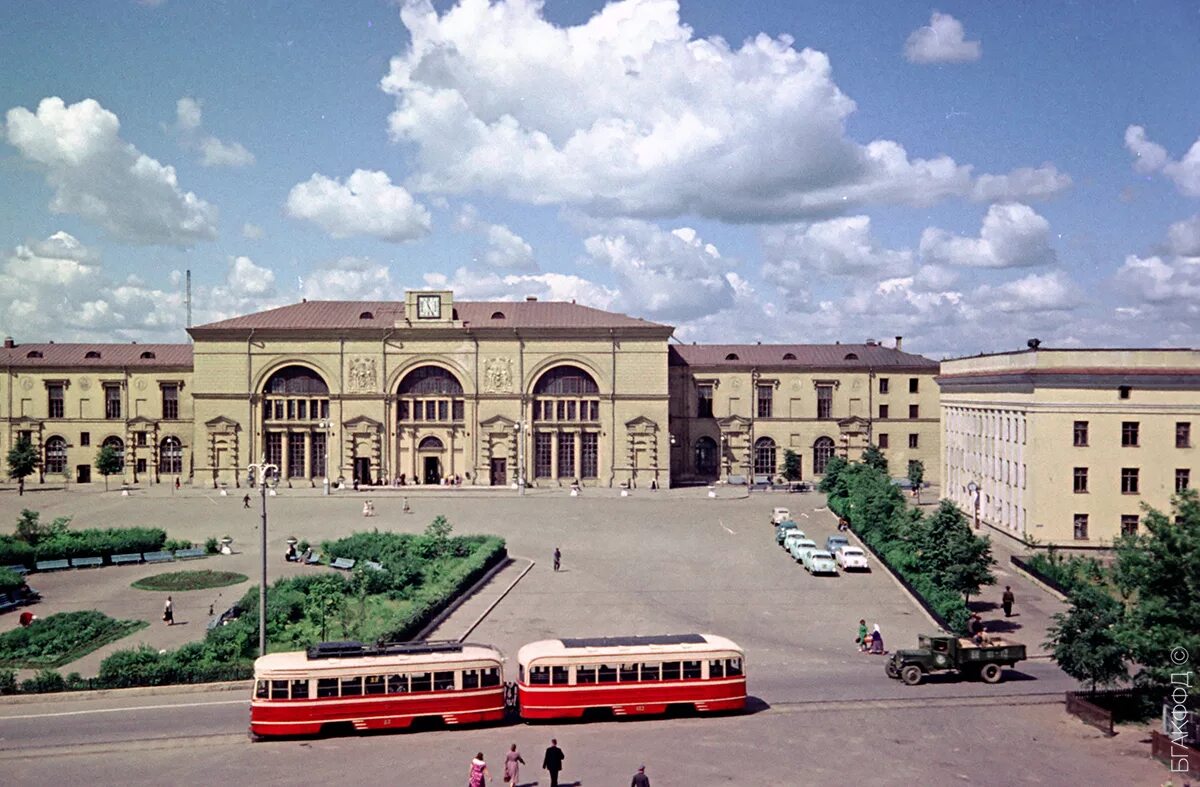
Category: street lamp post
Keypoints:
(262, 472)
(520, 457)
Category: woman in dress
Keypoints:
(512, 765)
(479, 772)
(877, 641)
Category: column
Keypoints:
(305, 438)
(579, 455)
(285, 441)
(553, 453)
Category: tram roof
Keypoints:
(625, 646)
(297, 662)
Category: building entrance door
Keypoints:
(499, 475)
(433, 470)
(83, 474)
(362, 470)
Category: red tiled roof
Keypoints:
(54, 355)
(477, 314)
(823, 356)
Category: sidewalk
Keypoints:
(1032, 614)
(459, 623)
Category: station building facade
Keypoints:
(485, 393)
(1064, 447)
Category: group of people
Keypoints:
(869, 641)
(450, 480)
(552, 762)
(292, 556)
(368, 508)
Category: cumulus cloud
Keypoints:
(213, 152)
(1034, 293)
(631, 114)
(365, 204)
(492, 286)
(349, 279)
(1183, 237)
(504, 249)
(941, 41)
(252, 231)
(1159, 281)
(1012, 236)
(1023, 183)
(100, 177)
(1152, 157)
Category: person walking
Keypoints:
(479, 772)
(862, 639)
(1007, 600)
(553, 760)
(557, 558)
(512, 765)
(169, 612)
(877, 641)
(246, 501)
(640, 779)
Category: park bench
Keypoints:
(343, 563)
(189, 554)
(18, 569)
(130, 557)
(53, 565)
(158, 557)
(87, 562)
(374, 565)
(314, 559)
(7, 602)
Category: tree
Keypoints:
(22, 461)
(108, 462)
(873, 457)
(791, 465)
(951, 554)
(32, 531)
(439, 529)
(916, 477)
(1086, 638)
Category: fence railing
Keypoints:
(1090, 713)
(1181, 757)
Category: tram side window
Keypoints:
(585, 674)
(397, 684)
(670, 670)
(733, 667)
(299, 689)
(443, 681)
(422, 681)
(279, 689)
(539, 676)
(260, 690)
(491, 676)
(607, 673)
(716, 668)
(650, 671)
(558, 676)
(352, 687)
(327, 687)
(470, 679)
(629, 673)
(691, 670)
(375, 684)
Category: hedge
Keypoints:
(82, 543)
(10, 580)
(62, 638)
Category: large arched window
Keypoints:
(764, 456)
(117, 445)
(431, 443)
(566, 394)
(822, 453)
(706, 456)
(429, 393)
(56, 455)
(170, 456)
(295, 393)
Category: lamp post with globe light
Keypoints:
(262, 472)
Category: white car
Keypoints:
(818, 561)
(779, 515)
(852, 559)
(800, 547)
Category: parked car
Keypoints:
(818, 561)
(851, 559)
(783, 528)
(797, 547)
(949, 653)
(834, 543)
(779, 515)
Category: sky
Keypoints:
(967, 175)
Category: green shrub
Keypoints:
(171, 544)
(1071, 573)
(14, 552)
(49, 680)
(178, 581)
(76, 682)
(10, 580)
(103, 543)
(61, 638)
(212, 546)
(8, 681)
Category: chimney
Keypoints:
(899, 342)
(531, 298)
(9, 343)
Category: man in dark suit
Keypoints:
(553, 761)
(640, 779)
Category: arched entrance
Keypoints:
(566, 426)
(430, 451)
(295, 422)
(430, 425)
(706, 463)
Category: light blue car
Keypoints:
(818, 561)
(801, 546)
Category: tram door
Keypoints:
(499, 470)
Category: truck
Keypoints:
(949, 653)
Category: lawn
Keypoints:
(178, 581)
(62, 638)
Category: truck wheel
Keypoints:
(911, 675)
(990, 673)
(891, 670)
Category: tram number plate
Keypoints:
(639, 707)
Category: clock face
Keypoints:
(429, 307)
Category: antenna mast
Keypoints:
(188, 298)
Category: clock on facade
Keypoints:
(429, 307)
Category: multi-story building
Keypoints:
(1065, 446)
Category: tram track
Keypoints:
(902, 703)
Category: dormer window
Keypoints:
(851, 357)
(789, 356)
(148, 356)
(366, 316)
(498, 315)
(732, 357)
(34, 354)
(91, 354)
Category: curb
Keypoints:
(1041, 585)
(500, 598)
(453, 606)
(135, 691)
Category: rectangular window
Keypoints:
(302, 410)
(85, 438)
(443, 410)
(542, 446)
(607, 673)
(1081, 434)
(824, 401)
(704, 401)
(571, 410)
(352, 687)
(883, 440)
(733, 667)
(650, 672)
(558, 675)
(1183, 434)
(112, 401)
(716, 668)
(914, 440)
(1081, 474)
(275, 448)
(170, 402)
(456, 410)
(327, 687)
(628, 673)
(765, 400)
(374, 684)
(913, 384)
(1124, 391)
(470, 679)
(296, 448)
(883, 412)
(443, 681)
(566, 455)
(397, 684)
(1081, 527)
(589, 455)
(431, 411)
(141, 439)
(883, 385)
(593, 411)
(490, 677)
(300, 689)
(691, 670)
(54, 393)
(421, 681)
(291, 409)
(279, 411)
(324, 408)
(1129, 433)
(1129, 524)
(670, 670)
(585, 674)
(1129, 480)
(914, 411)
(1183, 478)
(316, 455)
(560, 410)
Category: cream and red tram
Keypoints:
(630, 675)
(348, 684)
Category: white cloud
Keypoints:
(349, 279)
(1183, 237)
(366, 204)
(1012, 236)
(504, 248)
(1023, 183)
(1152, 157)
(491, 286)
(941, 41)
(100, 177)
(252, 231)
(631, 114)
(1036, 292)
(1163, 282)
(213, 152)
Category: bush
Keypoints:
(1070, 573)
(171, 544)
(8, 681)
(45, 681)
(104, 543)
(61, 638)
(212, 546)
(14, 552)
(10, 580)
(176, 581)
